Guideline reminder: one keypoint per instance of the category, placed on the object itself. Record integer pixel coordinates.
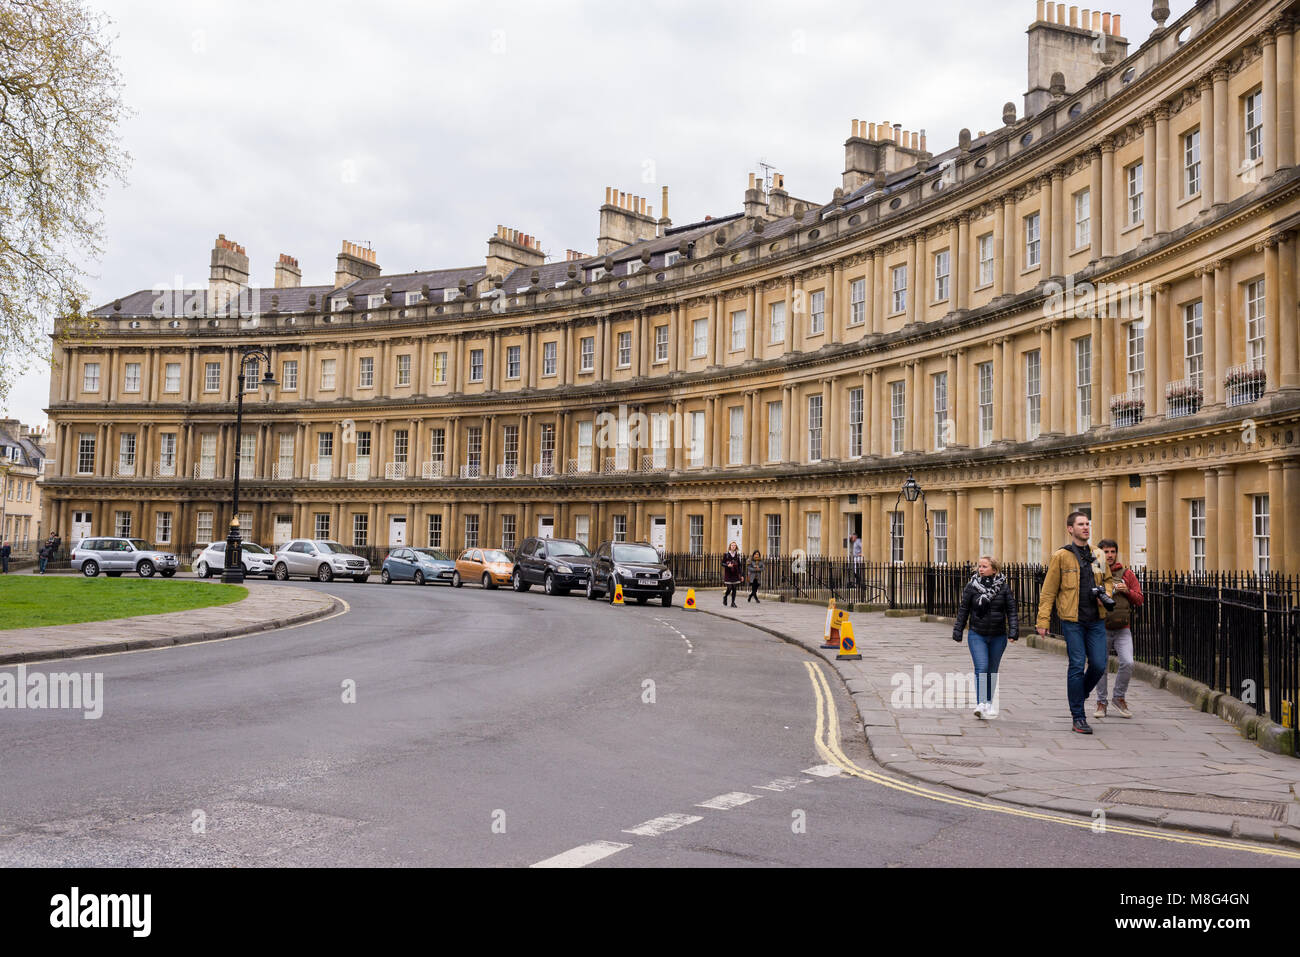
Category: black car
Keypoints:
(557, 564)
(634, 565)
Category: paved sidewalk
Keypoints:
(1028, 755)
(266, 607)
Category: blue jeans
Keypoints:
(1083, 643)
(44, 561)
(986, 653)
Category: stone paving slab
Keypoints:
(266, 607)
(1028, 755)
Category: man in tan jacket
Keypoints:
(1078, 585)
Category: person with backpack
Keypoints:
(754, 573)
(1119, 634)
(989, 606)
(732, 575)
(1078, 588)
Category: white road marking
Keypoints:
(725, 802)
(662, 825)
(690, 648)
(825, 771)
(584, 855)
(781, 784)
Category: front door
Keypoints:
(283, 530)
(546, 526)
(659, 532)
(396, 531)
(735, 532)
(80, 526)
(1137, 535)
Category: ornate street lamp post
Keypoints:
(233, 573)
(911, 491)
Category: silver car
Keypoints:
(256, 560)
(320, 559)
(113, 556)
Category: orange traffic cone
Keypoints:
(690, 600)
(618, 594)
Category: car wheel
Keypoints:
(668, 601)
(201, 570)
(517, 582)
(455, 580)
(145, 569)
(324, 573)
(419, 578)
(281, 572)
(591, 588)
(550, 584)
(90, 569)
(386, 578)
(487, 581)
(609, 590)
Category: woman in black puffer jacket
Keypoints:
(989, 606)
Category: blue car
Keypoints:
(417, 565)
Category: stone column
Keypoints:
(1209, 145)
(1270, 88)
(751, 334)
(1162, 183)
(1168, 521)
(1054, 521)
(1158, 347)
(1058, 244)
(1095, 205)
(999, 247)
(1219, 77)
(960, 268)
(1151, 485)
(1149, 163)
(787, 432)
(1046, 227)
(1061, 368)
(878, 307)
(914, 286)
(1010, 237)
(1289, 516)
(1150, 322)
(836, 307)
(999, 375)
(1210, 383)
(1105, 212)
(959, 401)
(959, 528)
(1272, 309)
(1288, 316)
(1108, 510)
(879, 414)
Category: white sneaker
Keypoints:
(990, 710)
(979, 709)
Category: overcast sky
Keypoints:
(418, 127)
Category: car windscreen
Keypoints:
(255, 549)
(568, 550)
(331, 548)
(435, 554)
(640, 554)
(140, 545)
(495, 555)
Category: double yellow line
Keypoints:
(828, 746)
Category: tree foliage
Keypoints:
(60, 107)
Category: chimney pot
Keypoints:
(1074, 16)
(1114, 22)
(1040, 10)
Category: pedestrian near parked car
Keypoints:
(1078, 586)
(44, 556)
(754, 572)
(5, 551)
(1119, 634)
(732, 575)
(989, 606)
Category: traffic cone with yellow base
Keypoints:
(848, 645)
(618, 595)
(690, 600)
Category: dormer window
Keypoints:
(375, 302)
(339, 304)
(448, 295)
(596, 273)
(672, 258)
(412, 297)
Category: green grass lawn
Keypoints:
(31, 601)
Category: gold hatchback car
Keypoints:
(491, 566)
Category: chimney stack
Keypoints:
(1077, 47)
(355, 262)
(287, 273)
(511, 249)
(229, 273)
(624, 220)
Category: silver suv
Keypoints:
(256, 560)
(113, 556)
(320, 559)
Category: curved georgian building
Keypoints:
(1094, 305)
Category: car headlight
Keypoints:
(566, 569)
(667, 576)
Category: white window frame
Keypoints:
(1260, 533)
(440, 368)
(776, 322)
(986, 260)
(289, 375)
(1192, 162)
(1256, 322)
(1253, 125)
(1135, 370)
(328, 374)
(857, 302)
(939, 522)
(1033, 394)
(1135, 211)
(1083, 383)
(739, 330)
(661, 343)
(404, 369)
(1196, 525)
(898, 288)
(699, 338)
(984, 384)
(1034, 534)
(172, 377)
(817, 312)
(476, 365)
(775, 430)
(984, 519)
(1033, 240)
(1082, 218)
(939, 392)
(550, 354)
(815, 427)
(942, 274)
(1194, 341)
(131, 377)
(735, 434)
(624, 342)
(897, 416)
(855, 423)
(365, 372)
(212, 377)
(514, 363)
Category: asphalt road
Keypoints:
(493, 729)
